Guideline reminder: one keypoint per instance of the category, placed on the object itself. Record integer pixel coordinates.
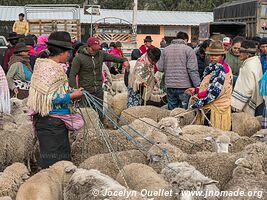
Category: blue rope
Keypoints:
(91, 99)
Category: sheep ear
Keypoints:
(25, 177)
(209, 182)
(209, 138)
(70, 169)
(238, 161)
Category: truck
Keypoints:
(3, 48)
(251, 12)
(46, 18)
(229, 29)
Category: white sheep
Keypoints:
(5, 198)
(185, 117)
(260, 136)
(105, 162)
(140, 177)
(170, 125)
(249, 175)
(11, 179)
(218, 166)
(47, 184)
(185, 177)
(221, 144)
(244, 124)
(193, 139)
(13, 151)
(92, 184)
(136, 112)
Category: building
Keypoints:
(116, 24)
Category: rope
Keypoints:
(91, 98)
(164, 131)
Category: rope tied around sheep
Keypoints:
(92, 100)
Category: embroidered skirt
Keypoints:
(134, 98)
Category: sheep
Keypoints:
(11, 179)
(140, 177)
(118, 86)
(221, 144)
(7, 122)
(245, 124)
(249, 175)
(185, 117)
(260, 136)
(91, 118)
(218, 166)
(152, 112)
(47, 184)
(118, 104)
(170, 125)
(142, 125)
(105, 162)
(185, 177)
(5, 198)
(193, 139)
(13, 151)
(92, 184)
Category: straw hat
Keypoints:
(216, 48)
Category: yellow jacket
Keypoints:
(21, 27)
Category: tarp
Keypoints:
(236, 9)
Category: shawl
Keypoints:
(143, 73)
(48, 78)
(4, 93)
(15, 58)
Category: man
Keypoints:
(21, 27)
(245, 97)
(163, 43)
(179, 64)
(232, 57)
(147, 45)
(88, 66)
(13, 40)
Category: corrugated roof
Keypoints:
(235, 3)
(144, 17)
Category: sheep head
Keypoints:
(261, 136)
(221, 144)
(64, 169)
(170, 125)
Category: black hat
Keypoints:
(154, 54)
(13, 36)
(60, 39)
(148, 39)
(263, 41)
(20, 47)
(29, 40)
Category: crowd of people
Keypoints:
(214, 79)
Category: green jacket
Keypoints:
(89, 70)
(234, 62)
(15, 72)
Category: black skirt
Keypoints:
(53, 140)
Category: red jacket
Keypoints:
(143, 49)
(9, 52)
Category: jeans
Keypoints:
(177, 98)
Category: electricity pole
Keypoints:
(134, 23)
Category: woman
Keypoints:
(141, 80)
(20, 72)
(50, 99)
(4, 93)
(245, 97)
(116, 68)
(214, 93)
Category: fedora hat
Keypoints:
(148, 39)
(216, 48)
(13, 36)
(60, 39)
(20, 47)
